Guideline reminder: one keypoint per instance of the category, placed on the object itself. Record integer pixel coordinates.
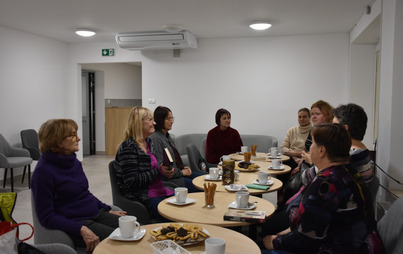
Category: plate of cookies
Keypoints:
(247, 166)
(182, 234)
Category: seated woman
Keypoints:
(222, 139)
(333, 213)
(321, 112)
(60, 188)
(137, 170)
(294, 142)
(161, 139)
(354, 119)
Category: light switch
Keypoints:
(151, 101)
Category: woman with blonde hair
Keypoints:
(60, 188)
(137, 170)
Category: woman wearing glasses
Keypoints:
(161, 139)
(60, 188)
(139, 175)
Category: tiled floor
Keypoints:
(96, 169)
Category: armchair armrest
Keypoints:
(18, 152)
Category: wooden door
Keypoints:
(115, 124)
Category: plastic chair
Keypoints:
(196, 161)
(10, 158)
(390, 228)
(132, 207)
(29, 141)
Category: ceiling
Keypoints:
(58, 19)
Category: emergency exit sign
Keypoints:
(108, 52)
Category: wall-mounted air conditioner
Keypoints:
(156, 40)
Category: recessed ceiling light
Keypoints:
(85, 32)
(260, 25)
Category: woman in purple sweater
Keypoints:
(60, 188)
(222, 139)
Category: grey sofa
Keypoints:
(263, 142)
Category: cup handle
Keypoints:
(177, 195)
(137, 227)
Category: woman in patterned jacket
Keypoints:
(137, 170)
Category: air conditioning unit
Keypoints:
(156, 40)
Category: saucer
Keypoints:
(281, 168)
(207, 178)
(250, 206)
(116, 235)
(269, 182)
(235, 187)
(173, 201)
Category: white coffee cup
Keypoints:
(244, 149)
(181, 194)
(263, 177)
(242, 199)
(128, 226)
(276, 163)
(273, 152)
(236, 172)
(225, 158)
(214, 245)
(214, 173)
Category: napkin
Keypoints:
(256, 186)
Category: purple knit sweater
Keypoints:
(61, 195)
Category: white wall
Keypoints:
(362, 84)
(262, 81)
(391, 118)
(32, 81)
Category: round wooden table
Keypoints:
(258, 157)
(235, 242)
(244, 178)
(264, 166)
(197, 212)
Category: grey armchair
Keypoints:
(44, 235)
(12, 157)
(196, 160)
(46, 238)
(390, 228)
(130, 206)
(29, 141)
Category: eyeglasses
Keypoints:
(171, 119)
(149, 119)
(73, 137)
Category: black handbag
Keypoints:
(24, 248)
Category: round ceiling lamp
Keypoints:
(85, 32)
(260, 26)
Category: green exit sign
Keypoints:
(108, 52)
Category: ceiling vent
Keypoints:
(156, 40)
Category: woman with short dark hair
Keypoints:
(222, 139)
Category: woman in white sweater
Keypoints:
(294, 142)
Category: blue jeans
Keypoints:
(188, 181)
(153, 206)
